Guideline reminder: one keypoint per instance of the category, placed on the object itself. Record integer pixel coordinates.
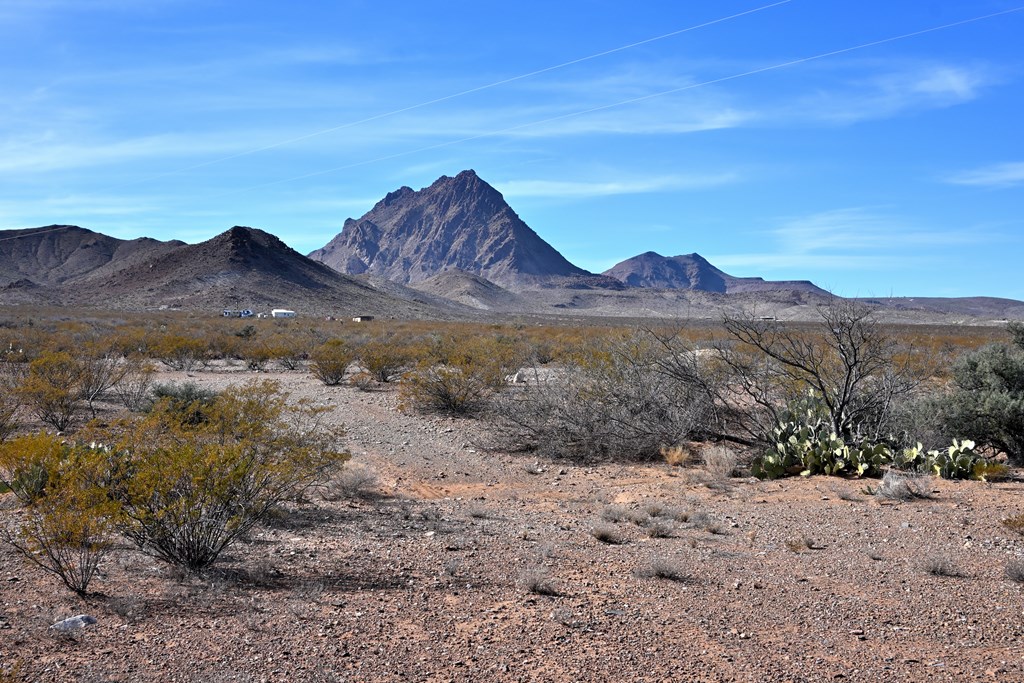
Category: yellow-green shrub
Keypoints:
(330, 361)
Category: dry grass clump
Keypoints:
(720, 462)
(676, 456)
(614, 513)
(664, 568)
(537, 580)
(899, 486)
(660, 528)
(940, 565)
(355, 480)
(606, 533)
(1015, 524)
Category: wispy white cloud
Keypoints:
(997, 175)
(578, 189)
(848, 239)
(883, 95)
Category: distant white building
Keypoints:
(282, 313)
(362, 318)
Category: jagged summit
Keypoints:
(458, 222)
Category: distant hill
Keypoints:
(55, 254)
(692, 271)
(459, 223)
(472, 290)
(246, 268)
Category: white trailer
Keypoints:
(282, 313)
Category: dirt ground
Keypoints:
(465, 564)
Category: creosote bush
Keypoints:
(67, 525)
(459, 376)
(329, 362)
(182, 489)
(188, 490)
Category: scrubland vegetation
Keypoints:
(184, 472)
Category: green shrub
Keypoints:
(194, 488)
(987, 403)
(51, 389)
(187, 401)
(66, 527)
(330, 361)
(383, 359)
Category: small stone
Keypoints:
(74, 623)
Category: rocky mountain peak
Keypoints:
(458, 222)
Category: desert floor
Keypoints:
(466, 564)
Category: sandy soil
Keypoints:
(473, 565)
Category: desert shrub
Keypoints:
(719, 461)
(537, 580)
(940, 565)
(256, 354)
(899, 486)
(383, 359)
(354, 480)
(66, 527)
(187, 402)
(1015, 524)
(622, 399)
(179, 352)
(133, 387)
(99, 370)
(987, 401)
(606, 533)
(10, 402)
(330, 361)
(288, 349)
(50, 389)
(856, 372)
(194, 489)
(664, 568)
(459, 375)
(27, 463)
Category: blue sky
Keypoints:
(770, 142)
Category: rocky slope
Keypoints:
(457, 223)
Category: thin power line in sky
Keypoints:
(633, 100)
(446, 98)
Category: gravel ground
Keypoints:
(465, 564)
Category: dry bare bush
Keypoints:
(899, 486)
(616, 399)
(856, 371)
(664, 568)
(719, 461)
(354, 480)
(133, 387)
